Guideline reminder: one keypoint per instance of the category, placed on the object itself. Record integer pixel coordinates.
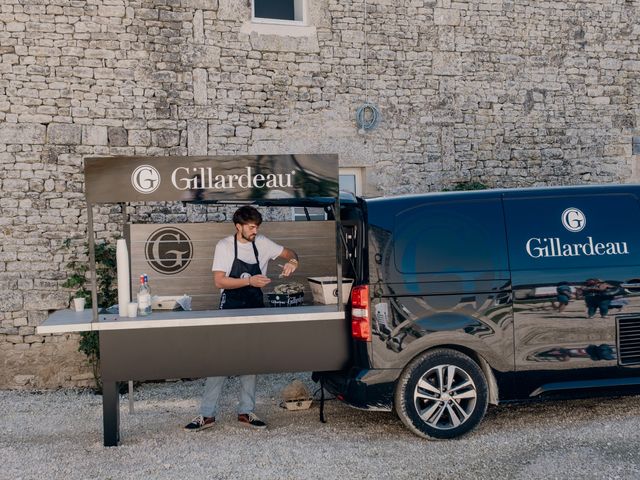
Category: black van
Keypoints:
(468, 298)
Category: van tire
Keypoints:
(433, 413)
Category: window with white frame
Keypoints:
(279, 11)
(351, 180)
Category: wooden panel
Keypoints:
(314, 242)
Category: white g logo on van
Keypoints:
(573, 219)
(145, 179)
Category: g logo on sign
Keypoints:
(573, 219)
(145, 179)
(168, 250)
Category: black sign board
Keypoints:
(278, 178)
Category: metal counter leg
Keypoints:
(111, 414)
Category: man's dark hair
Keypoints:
(247, 214)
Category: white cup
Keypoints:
(132, 310)
(78, 304)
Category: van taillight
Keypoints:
(360, 329)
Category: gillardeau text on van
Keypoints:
(553, 247)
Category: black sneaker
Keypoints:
(251, 420)
(200, 423)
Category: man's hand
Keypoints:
(259, 281)
(289, 267)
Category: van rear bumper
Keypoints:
(360, 388)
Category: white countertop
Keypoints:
(66, 321)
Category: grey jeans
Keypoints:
(213, 389)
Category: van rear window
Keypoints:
(451, 237)
(573, 231)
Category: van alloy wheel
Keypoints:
(442, 393)
(445, 397)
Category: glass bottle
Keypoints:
(144, 298)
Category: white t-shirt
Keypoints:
(223, 255)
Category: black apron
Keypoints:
(244, 297)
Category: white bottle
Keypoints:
(144, 298)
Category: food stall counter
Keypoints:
(67, 321)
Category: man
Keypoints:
(239, 268)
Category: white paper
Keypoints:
(124, 285)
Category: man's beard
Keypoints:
(249, 238)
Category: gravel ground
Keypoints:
(59, 435)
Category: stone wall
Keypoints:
(509, 93)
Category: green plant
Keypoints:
(467, 185)
(89, 344)
(106, 275)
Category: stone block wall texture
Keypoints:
(509, 93)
